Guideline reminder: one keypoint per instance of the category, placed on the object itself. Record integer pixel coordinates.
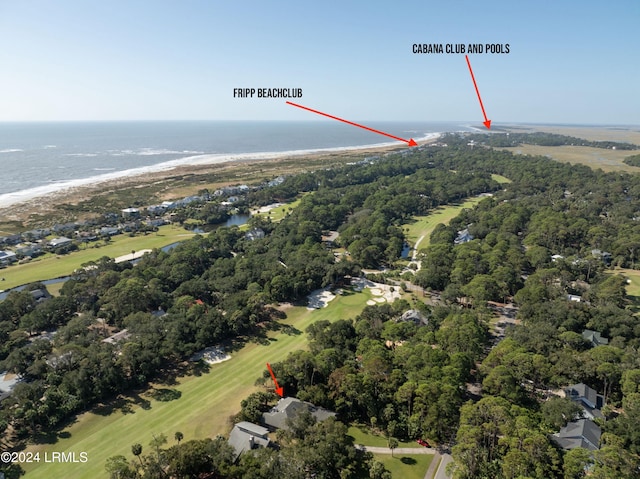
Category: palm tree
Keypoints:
(136, 449)
(393, 443)
(179, 436)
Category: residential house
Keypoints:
(463, 236)
(595, 338)
(11, 239)
(58, 242)
(276, 181)
(131, 213)
(64, 227)
(246, 436)
(254, 234)
(156, 223)
(288, 408)
(156, 210)
(85, 236)
(187, 200)
(29, 249)
(117, 337)
(581, 433)
(414, 316)
(7, 257)
(62, 361)
(231, 190)
(109, 231)
(588, 398)
(36, 234)
(605, 256)
(330, 238)
(130, 226)
(159, 313)
(40, 295)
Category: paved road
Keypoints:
(415, 250)
(435, 462)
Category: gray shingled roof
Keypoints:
(290, 407)
(246, 436)
(414, 316)
(588, 398)
(581, 433)
(594, 337)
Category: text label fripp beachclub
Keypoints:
(267, 92)
(460, 48)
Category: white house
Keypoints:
(62, 241)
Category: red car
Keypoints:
(422, 442)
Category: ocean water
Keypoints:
(39, 158)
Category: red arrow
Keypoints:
(486, 122)
(279, 389)
(411, 142)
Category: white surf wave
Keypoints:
(9, 199)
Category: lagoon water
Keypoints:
(38, 158)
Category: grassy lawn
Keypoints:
(54, 289)
(50, 266)
(607, 160)
(406, 467)
(280, 212)
(592, 133)
(500, 179)
(204, 406)
(633, 287)
(363, 435)
(424, 225)
(633, 275)
(276, 214)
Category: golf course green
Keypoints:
(203, 409)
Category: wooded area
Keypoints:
(547, 241)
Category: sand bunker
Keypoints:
(212, 355)
(266, 209)
(8, 381)
(131, 257)
(320, 298)
(381, 292)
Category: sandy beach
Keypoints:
(20, 206)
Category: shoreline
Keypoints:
(209, 159)
(20, 205)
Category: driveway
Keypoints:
(440, 473)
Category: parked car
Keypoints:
(422, 442)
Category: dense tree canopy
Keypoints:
(546, 242)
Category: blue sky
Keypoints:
(571, 61)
